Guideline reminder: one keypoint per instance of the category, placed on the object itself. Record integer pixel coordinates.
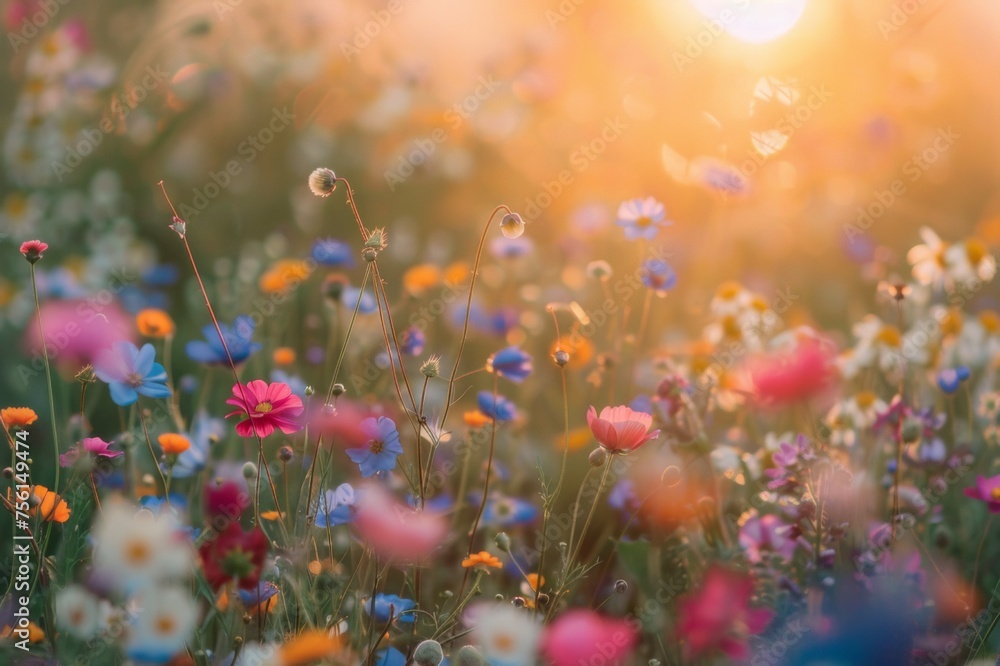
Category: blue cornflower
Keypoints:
(950, 379)
(412, 341)
(391, 603)
(507, 511)
(154, 503)
(511, 248)
(350, 297)
(161, 275)
(511, 363)
(500, 410)
(335, 507)
(130, 371)
(332, 252)
(237, 337)
(642, 403)
(658, 275)
(379, 455)
(641, 218)
(204, 429)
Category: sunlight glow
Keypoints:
(753, 21)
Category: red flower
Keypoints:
(270, 406)
(32, 250)
(234, 556)
(718, 615)
(225, 501)
(798, 375)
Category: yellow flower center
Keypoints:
(263, 407)
(165, 624)
(990, 320)
(730, 328)
(503, 643)
(727, 291)
(644, 221)
(889, 336)
(376, 446)
(137, 553)
(995, 494)
(951, 324)
(865, 399)
(975, 250)
(15, 204)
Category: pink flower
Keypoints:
(620, 429)
(92, 445)
(760, 534)
(396, 532)
(718, 615)
(802, 373)
(986, 490)
(269, 406)
(76, 331)
(33, 249)
(578, 636)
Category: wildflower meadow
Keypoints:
(565, 333)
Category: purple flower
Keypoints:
(237, 337)
(412, 341)
(500, 409)
(336, 507)
(641, 218)
(950, 379)
(767, 534)
(379, 455)
(92, 445)
(129, 372)
(511, 363)
(332, 252)
(658, 275)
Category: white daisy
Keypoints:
(928, 259)
(508, 635)
(78, 612)
(163, 625)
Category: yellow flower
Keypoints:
(475, 419)
(51, 506)
(484, 560)
(173, 443)
(154, 323)
(17, 416)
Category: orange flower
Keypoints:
(534, 580)
(154, 323)
(284, 275)
(308, 647)
(284, 356)
(475, 419)
(51, 506)
(173, 443)
(17, 416)
(579, 348)
(272, 515)
(578, 438)
(457, 273)
(420, 278)
(35, 633)
(482, 559)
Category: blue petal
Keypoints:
(201, 352)
(144, 360)
(123, 394)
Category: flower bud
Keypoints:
(428, 653)
(249, 470)
(621, 586)
(511, 226)
(561, 357)
(502, 541)
(599, 270)
(339, 389)
(369, 254)
(322, 182)
(598, 457)
(309, 391)
(431, 367)
(469, 656)
(911, 430)
(285, 454)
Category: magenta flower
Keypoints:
(620, 429)
(578, 636)
(718, 615)
(95, 446)
(270, 406)
(986, 490)
(767, 534)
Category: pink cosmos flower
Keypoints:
(92, 445)
(986, 490)
(578, 636)
(76, 331)
(395, 531)
(270, 406)
(620, 429)
(718, 615)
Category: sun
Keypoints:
(753, 21)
